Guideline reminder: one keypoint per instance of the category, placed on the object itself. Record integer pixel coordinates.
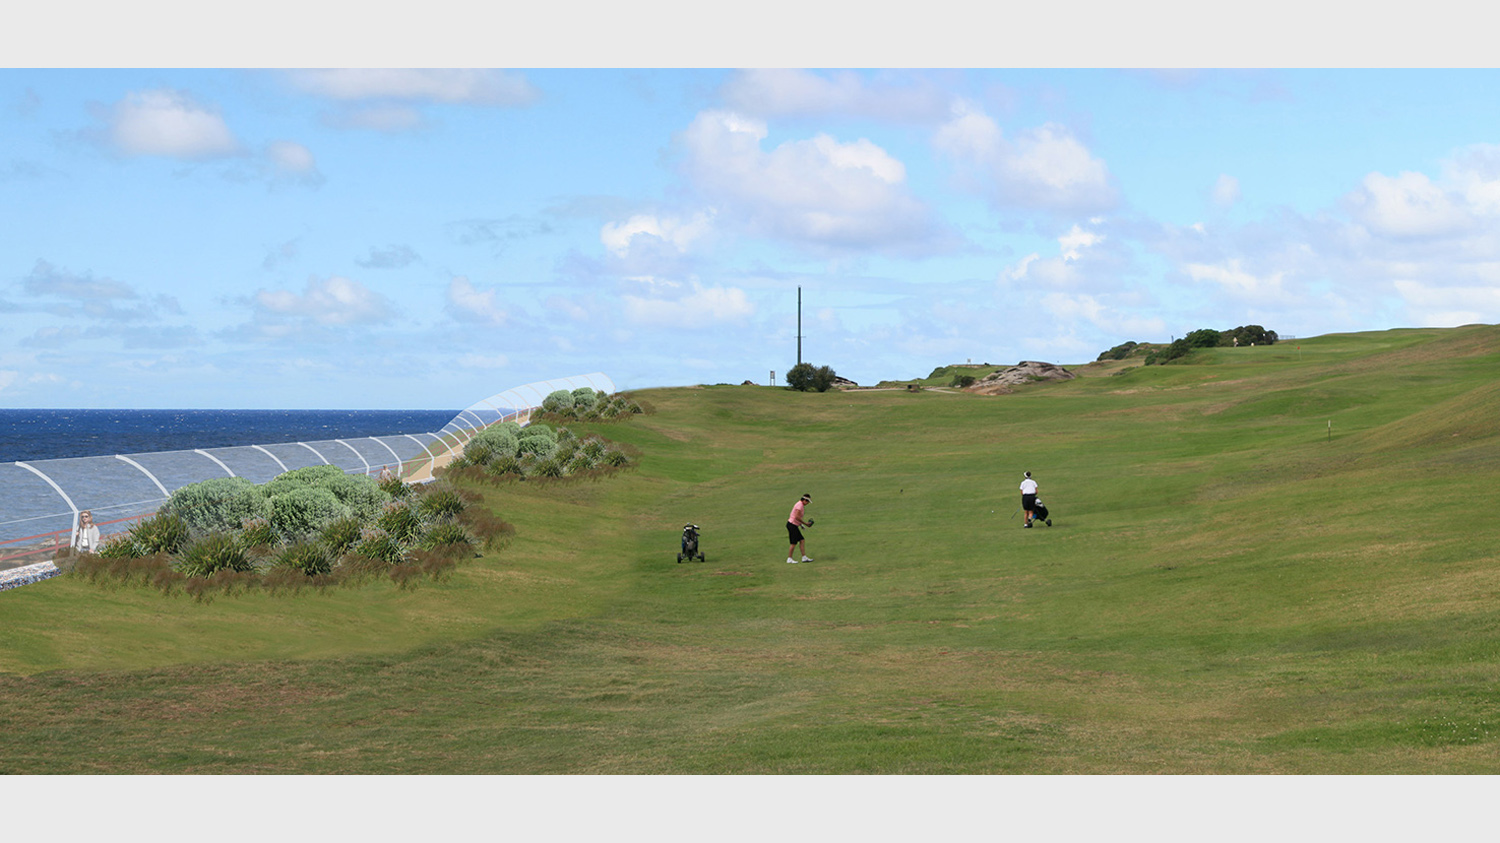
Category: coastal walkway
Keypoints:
(40, 499)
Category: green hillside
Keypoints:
(1274, 559)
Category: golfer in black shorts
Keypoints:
(794, 524)
(1028, 497)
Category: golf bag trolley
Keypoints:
(1039, 513)
(690, 545)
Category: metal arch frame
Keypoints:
(56, 488)
(220, 462)
(388, 448)
(357, 454)
(426, 449)
(128, 460)
(316, 453)
(272, 456)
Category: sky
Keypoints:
(346, 236)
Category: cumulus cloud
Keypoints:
(330, 301)
(1408, 205)
(391, 119)
(459, 86)
(468, 303)
(169, 124)
(1449, 307)
(802, 93)
(702, 307)
(1043, 168)
(1233, 279)
(1226, 191)
(291, 161)
(672, 231)
(818, 191)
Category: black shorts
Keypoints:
(793, 533)
(1028, 502)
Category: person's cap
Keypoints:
(807, 498)
(1028, 474)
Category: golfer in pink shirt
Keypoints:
(794, 525)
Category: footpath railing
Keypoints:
(40, 500)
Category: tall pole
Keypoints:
(799, 326)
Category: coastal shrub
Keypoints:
(309, 558)
(257, 532)
(962, 381)
(442, 503)
(1119, 352)
(394, 487)
(360, 493)
(499, 440)
(805, 377)
(584, 398)
(339, 535)
(580, 462)
(1177, 350)
(615, 458)
(216, 504)
(301, 512)
(448, 534)
(212, 553)
(401, 521)
(378, 545)
(593, 447)
(560, 401)
(1202, 338)
(532, 431)
(120, 546)
(163, 532)
(540, 447)
(547, 467)
(505, 466)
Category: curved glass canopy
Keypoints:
(41, 498)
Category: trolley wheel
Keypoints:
(679, 558)
(1049, 522)
(702, 558)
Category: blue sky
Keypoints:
(269, 237)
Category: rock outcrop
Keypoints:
(1027, 371)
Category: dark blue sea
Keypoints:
(51, 434)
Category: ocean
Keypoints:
(51, 434)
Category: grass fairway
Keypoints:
(1231, 586)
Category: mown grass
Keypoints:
(1228, 588)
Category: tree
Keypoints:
(805, 377)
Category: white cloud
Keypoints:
(332, 301)
(701, 308)
(1409, 205)
(1072, 307)
(1045, 167)
(801, 93)
(468, 303)
(8, 377)
(169, 124)
(1076, 240)
(1226, 191)
(1232, 278)
(461, 86)
(819, 190)
(617, 237)
(291, 161)
(1447, 307)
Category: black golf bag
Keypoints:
(1039, 513)
(690, 544)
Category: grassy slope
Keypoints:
(1226, 589)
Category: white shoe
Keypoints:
(805, 559)
(791, 561)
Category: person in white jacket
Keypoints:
(86, 535)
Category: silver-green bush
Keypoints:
(217, 504)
